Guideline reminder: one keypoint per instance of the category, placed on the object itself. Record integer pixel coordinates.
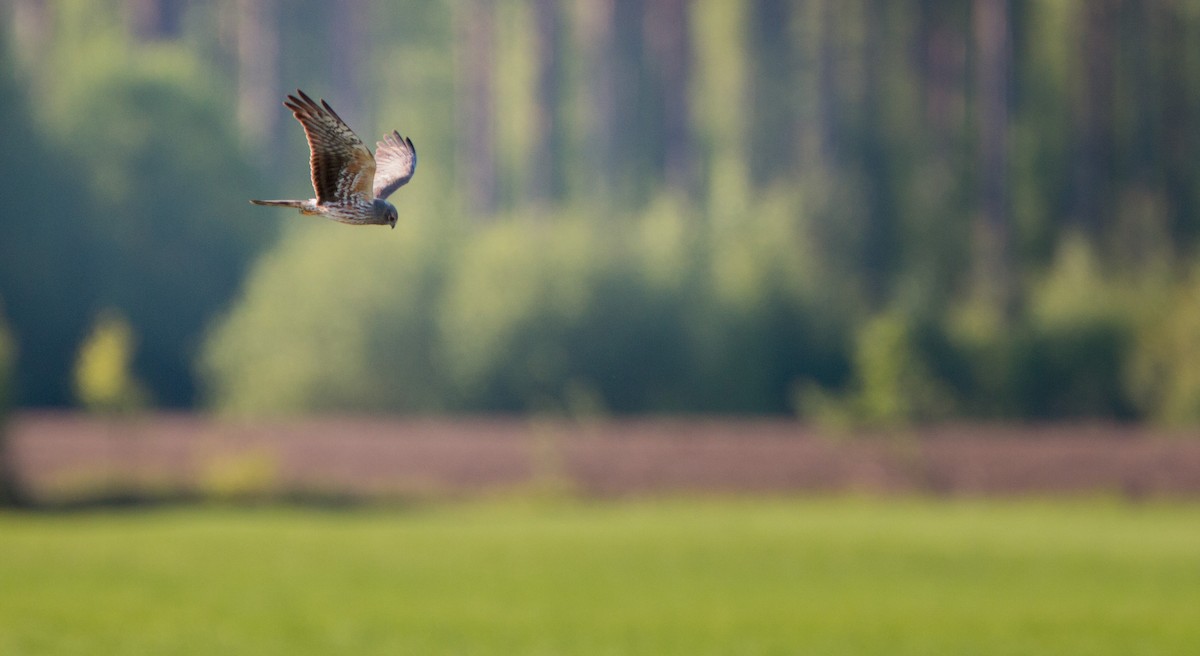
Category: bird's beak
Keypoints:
(393, 226)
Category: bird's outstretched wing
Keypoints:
(342, 166)
(395, 161)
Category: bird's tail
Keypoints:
(279, 203)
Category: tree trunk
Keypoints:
(828, 93)
(1177, 137)
(669, 42)
(1095, 158)
(599, 45)
(547, 182)
(349, 40)
(993, 42)
(941, 63)
(258, 72)
(12, 493)
(476, 106)
(774, 109)
(637, 138)
(29, 29)
(151, 20)
(880, 249)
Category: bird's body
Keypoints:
(350, 183)
(354, 212)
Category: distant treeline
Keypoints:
(851, 210)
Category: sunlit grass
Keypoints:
(662, 577)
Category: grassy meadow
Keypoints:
(683, 576)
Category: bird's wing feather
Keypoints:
(396, 160)
(342, 166)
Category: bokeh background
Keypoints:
(708, 327)
(865, 212)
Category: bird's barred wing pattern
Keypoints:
(395, 162)
(342, 166)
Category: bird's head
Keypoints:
(386, 212)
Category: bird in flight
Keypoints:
(351, 185)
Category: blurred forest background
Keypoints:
(868, 211)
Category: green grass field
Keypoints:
(648, 577)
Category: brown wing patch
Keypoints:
(342, 166)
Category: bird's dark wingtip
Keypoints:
(329, 110)
(294, 101)
(301, 102)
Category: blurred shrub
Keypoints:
(1071, 358)
(764, 316)
(334, 319)
(896, 376)
(104, 379)
(666, 311)
(560, 317)
(1164, 378)
(673, 310)
(1063, 356)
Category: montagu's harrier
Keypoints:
(351, 185)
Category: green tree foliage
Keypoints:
(334, 319)
(559, 317)
(891, 211)
(832, 261)
(171, 218)
(565, 315)
(141, 185)
(46, 273)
